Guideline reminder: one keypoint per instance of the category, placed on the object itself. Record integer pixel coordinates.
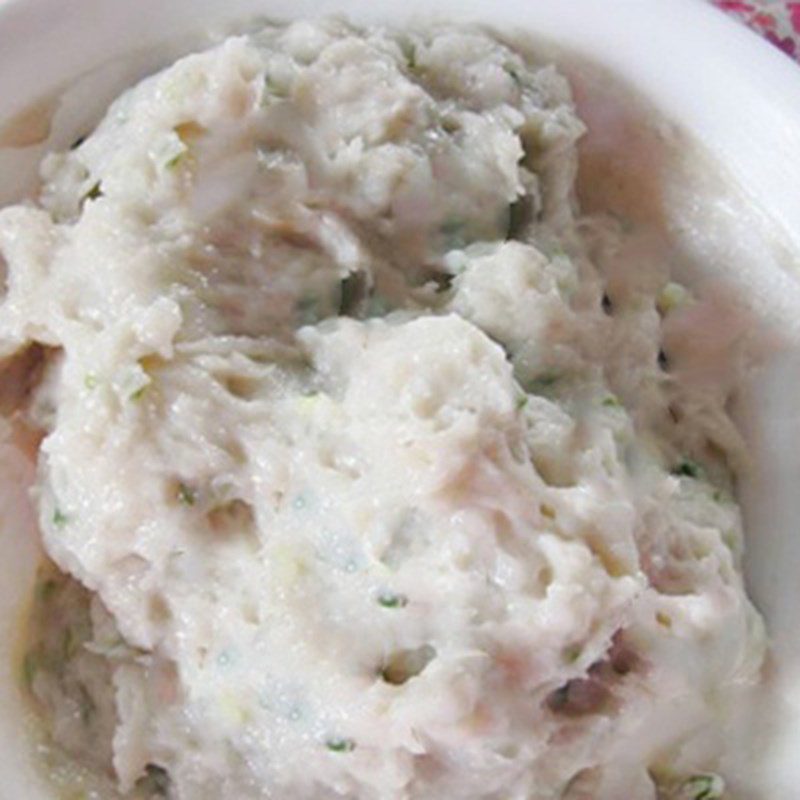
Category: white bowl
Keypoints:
(729, 202)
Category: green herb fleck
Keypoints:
(703, 787)
(625, 223)
(687, 469)
(139, 393)
(544, 381)
(672, 296)
(60, 519)
(559, 698)
(512, 71)
(450, 125)
(377, 306)
(90, 381)
(391, 600)
(95, 192)
(409, 50)
(663, 619)
(611, 402)
(175, 160)
(572, 653)
(274, 88)
(547, 511)
(186, 494)
(340, 745)
(730, 540)
(454, 232)
(522, 401)
(307, 310)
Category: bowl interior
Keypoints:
(732, 220)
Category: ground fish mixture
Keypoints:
(367, 472)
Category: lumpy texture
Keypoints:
(360, 478)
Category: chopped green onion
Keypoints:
(626, 225)
(572, 653)
(273, 87)
(672, 296)
(391, 600)
(730, 539)
(377, 307)
(687, 469)
(522, 401)
(340, 745)
(139, 393)
(663, 619)
(186, 494)
(307, 312)
(90, 381)
(450, 124)
(95, 192)
(175, 160)
(703, 787)
(60, 519)
(559, 698)
(512, 71)
(611, 401)
(454, 232)
(547, 511)
(542, 382)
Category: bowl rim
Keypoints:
(727, 88)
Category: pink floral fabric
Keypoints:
(776, 20)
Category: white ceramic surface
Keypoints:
(718, 83)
